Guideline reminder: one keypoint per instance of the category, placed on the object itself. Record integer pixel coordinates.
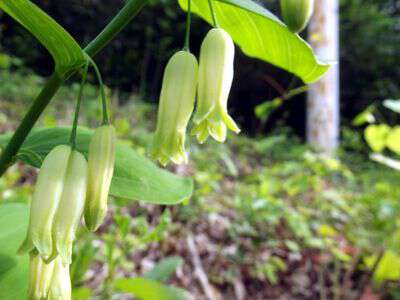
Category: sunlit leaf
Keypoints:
(393, 140)
(388, 268)
(376, 136)
(146, 289)
(65, 51)
(262, 35)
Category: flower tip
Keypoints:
(26, 246)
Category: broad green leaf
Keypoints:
(262, 35)
(135, 177)
(13, 268)
(388, 268)
(165, 268)
(64, 49)
(393, 105)
(146, 289)
(376, 136)
(393, 140)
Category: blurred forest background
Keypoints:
(269, 219)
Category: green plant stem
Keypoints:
(130, 10)
(78, 106)
(119, 22)
(213, 14)
(186, 46)
(106, 118)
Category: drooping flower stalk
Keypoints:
(176, 105)
(215, 81)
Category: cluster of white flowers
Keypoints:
(67, 186)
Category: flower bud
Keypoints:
(297, 13)
(101, 160)
(215, 79)
(47, 195)
(60, 288)
(70, 207)
(40, 277)
(176, 105)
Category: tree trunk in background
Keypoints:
(323, 96)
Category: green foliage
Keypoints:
(369, 29)
(13, 268)
(164, 269)
(65, 51)
(146, 289)
(134, 178)
(252, 23)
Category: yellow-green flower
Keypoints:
(176, 105)
(101, 161)
(60, 288)
(46, 197)
(297, 13)
(215, 80)
(40, 277)
(70, 207)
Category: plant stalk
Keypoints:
(213, 14)
(186, 46)
(126, 14)
(78, 106)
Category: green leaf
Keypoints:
(64, 49)
(262, 35)
(388, 268)
(393, 140)
(146, 289)
(135, 177)
(376, 136)
(13, 268)
(165, 268)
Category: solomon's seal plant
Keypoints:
(101, 160)
(175, 108)
(68, 186)
(297, 13)
(215, 80)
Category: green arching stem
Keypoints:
(126, 14)
(78, 106)
(106, 118)
(213, 14)
(186, 46)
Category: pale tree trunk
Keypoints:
(323, 96)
